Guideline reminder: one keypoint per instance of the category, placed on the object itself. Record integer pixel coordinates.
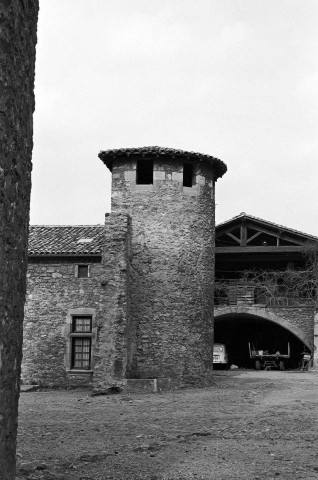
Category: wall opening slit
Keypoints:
(187, 175)
(144, 173)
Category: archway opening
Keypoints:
(236, 331)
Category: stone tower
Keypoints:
(169, 195)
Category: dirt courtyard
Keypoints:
(249, 425)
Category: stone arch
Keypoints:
(264, 314)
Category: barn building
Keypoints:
(259, 299)
(131, 298)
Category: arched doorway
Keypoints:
(236, 330)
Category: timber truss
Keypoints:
(248, 233)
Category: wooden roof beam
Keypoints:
(238, 240)
(260, 249)
(252, 238)
(278, 234)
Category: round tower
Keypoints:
(169, 195)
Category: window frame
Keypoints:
(77, 270)
(69, 334)
(75, 359)
(77, 317)
(81, 335)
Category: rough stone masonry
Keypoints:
(147, 298)
(171, 205)
(18, 23)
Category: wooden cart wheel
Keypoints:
(257, 365)
(281, 365)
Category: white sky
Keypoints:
(237, 79)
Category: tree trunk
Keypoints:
(18, 22)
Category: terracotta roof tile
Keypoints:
(107, 156)
(66, 240)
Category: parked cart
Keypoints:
(267, 361)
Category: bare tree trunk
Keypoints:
(18, 23)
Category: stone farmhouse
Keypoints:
(133, 298)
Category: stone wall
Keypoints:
(298, 320)
(55, 294)
(149, 295)
(316, 340)
(18, 24)
(115, 340)
(172, 268)
(301, 317)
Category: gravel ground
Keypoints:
(249, 425)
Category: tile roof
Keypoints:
(107, 156)
(276, 226)
(66, 240)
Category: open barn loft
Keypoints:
(253, 304)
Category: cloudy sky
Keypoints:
(236, 79)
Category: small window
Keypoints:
(187, 174)
(81, 342)
(82, 271)
(82, 324)
(144, 174)
(81, 353)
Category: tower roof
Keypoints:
(108, 156)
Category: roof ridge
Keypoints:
(54, 226)
(243, 214)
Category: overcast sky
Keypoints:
(236, 79)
